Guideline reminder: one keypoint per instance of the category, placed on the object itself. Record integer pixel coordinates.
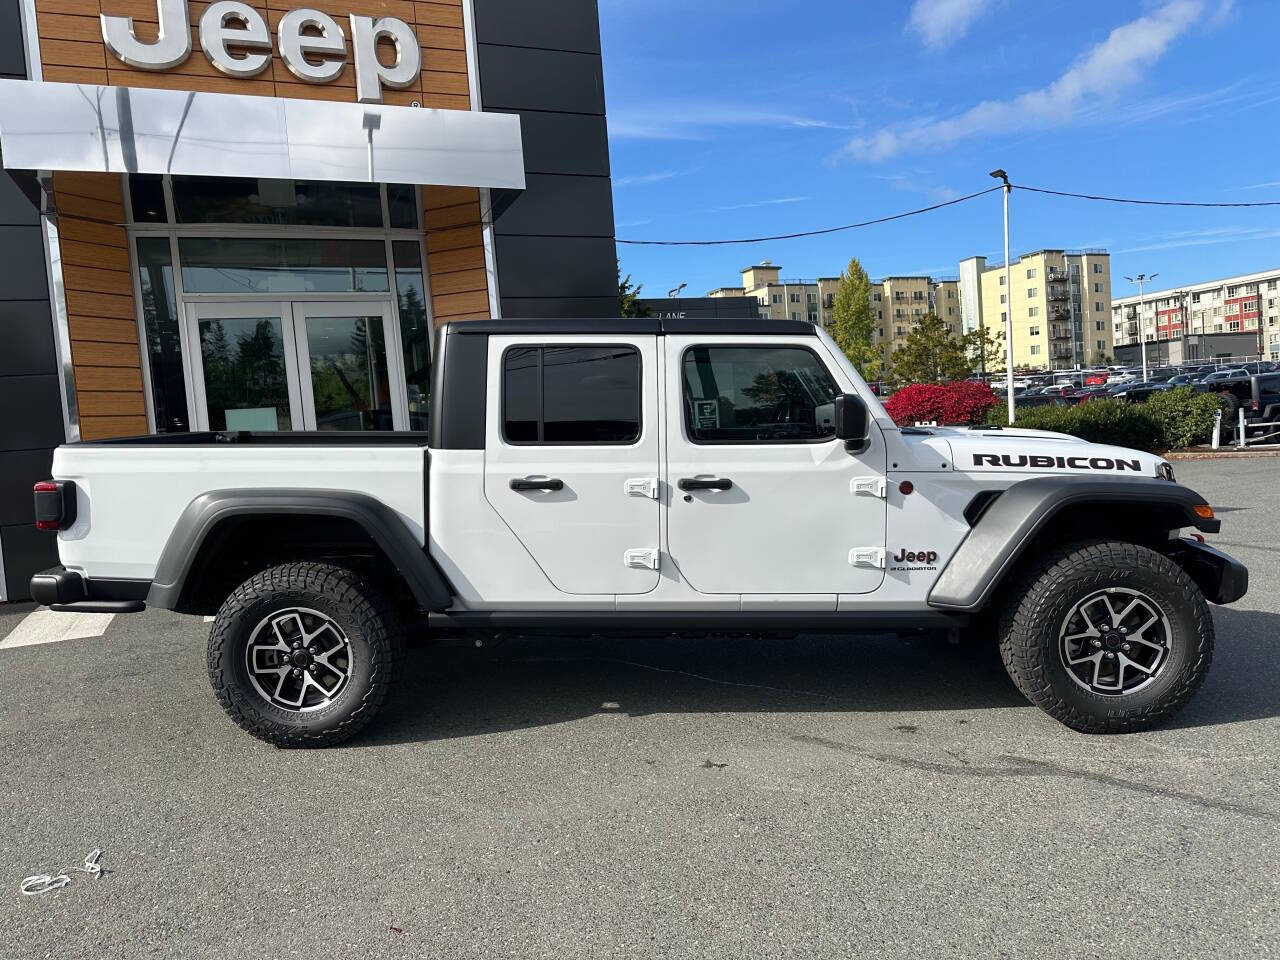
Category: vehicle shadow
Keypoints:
(455, 691)
(450, 692)
(1243, 683)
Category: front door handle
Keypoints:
(537, 483)
(714, 483)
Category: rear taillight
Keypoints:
(1253, 405)
(55, 502)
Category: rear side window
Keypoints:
(571, 395)
(760, 394)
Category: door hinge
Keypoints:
(873, 557)
(641, 559)
(876, 486)
(641, 487)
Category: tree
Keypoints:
(985, 349)
(931, 354)
(853, 321)
(629, 296)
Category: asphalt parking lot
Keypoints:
(820, 797)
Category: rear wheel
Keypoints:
(303, 655)
(1107, 637)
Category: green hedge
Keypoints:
(1170, 419)
(1184, 417)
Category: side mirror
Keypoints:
(852, 422)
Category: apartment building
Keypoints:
(1245, 304)
(900, 303)
(897, 302)
(1059, 302)
(781, 299)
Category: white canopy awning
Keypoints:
(98, 129)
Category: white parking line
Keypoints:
(45, 626)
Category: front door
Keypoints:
(571, 457)
(764, 498)
(268, 366)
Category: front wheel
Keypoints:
(303, 655)
(1107, 637)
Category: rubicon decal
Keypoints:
(1039, 462)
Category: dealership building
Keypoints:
(250, 216)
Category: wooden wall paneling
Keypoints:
(106, 357)
(105, 428)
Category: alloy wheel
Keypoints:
(298, 659)
(1115, 641)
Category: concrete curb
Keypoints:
(1223, 454)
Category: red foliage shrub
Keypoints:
(963, 402)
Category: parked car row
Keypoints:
(1237, 384)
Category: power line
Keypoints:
(810, 233)
(1146, 203)
(939, 206)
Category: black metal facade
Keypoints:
(30, 403)
(555, 248)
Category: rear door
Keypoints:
(572, 456)
(764, 498)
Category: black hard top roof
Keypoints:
(651, 326)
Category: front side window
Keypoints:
(571, 395)
(760, 394)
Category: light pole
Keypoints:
(672, 294)
(1140, 279)
(1008, 296)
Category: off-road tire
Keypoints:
(1033, 616)
(356, 605)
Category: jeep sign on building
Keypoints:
(251, 215)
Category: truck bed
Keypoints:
(144, 483)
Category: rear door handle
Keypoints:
(715, 483)
(537, 483)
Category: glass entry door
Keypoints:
(269, 366)
(349, 381)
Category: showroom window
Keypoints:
(284, 245)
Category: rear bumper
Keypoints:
(1222, 578)
(69, 592)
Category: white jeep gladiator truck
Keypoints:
(640, 476)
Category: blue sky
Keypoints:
(751, 117)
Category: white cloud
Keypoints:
(756, 203)
(943, 22)
(695, 120)
(1203, 238)
(643, 179)
(938, 192)
(1117, 62)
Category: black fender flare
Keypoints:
(380, 522)
(1014, 518)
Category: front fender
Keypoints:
(1005, 529)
